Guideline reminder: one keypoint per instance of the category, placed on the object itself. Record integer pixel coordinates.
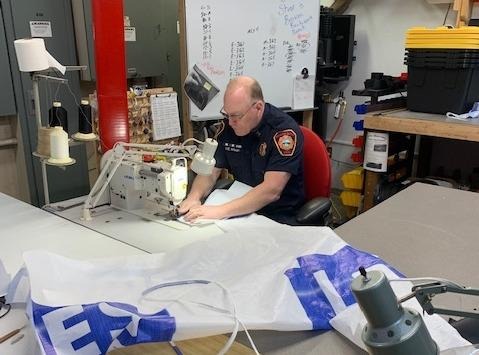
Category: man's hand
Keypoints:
(204, 212)
(187, 205)
(202, 185)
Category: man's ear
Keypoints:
(260, 105)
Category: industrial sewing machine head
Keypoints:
(156, 186)
(149, 180)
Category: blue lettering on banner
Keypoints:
(91, 326)
(339, 269)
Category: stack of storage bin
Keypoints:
(443, 68)
(353, 184)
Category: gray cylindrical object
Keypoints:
(391, 329)
(373, 293)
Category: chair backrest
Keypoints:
(317, 166)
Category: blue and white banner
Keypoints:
(277, 277)
(96, 328)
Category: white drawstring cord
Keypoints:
(238, 322)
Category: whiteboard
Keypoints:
(270, 40)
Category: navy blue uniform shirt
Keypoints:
(275, 145)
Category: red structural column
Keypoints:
(110, 64)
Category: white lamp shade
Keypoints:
(202, 165)
(204, 161)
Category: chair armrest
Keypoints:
(314, 212)
(223, 184)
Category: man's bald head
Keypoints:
(243, 104)
(245, 85)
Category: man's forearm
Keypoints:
(202, 185)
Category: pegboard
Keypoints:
(139, 115)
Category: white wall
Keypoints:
(380, 32)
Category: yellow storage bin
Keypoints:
(350, 198)
(353, 179)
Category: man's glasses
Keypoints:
(236, 116)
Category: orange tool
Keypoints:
(10, 335)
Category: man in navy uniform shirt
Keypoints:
(260, 146)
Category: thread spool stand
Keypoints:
(36, 77)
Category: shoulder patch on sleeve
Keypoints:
(285, 142)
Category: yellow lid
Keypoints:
(427, 36)
(443, 41)
(466, 37)
(441, 46)
(444, 30)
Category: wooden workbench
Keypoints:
(425, 124)
(201, 346)
(417, 123)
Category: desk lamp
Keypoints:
(394, 330)
(391, 329)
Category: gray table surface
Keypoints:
(424, 230)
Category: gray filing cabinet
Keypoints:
(7, 98)
(155, 53)
(73, 180)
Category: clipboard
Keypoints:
(165, 115)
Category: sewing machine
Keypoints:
(150, 180)
(159, 185)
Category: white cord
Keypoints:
(249, 338)
(238, 322)
(194, 140)
(463, 117)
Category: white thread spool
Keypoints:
(43, 145)
(59, 150)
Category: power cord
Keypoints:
(232, 313)
(4, 307)
(445, 16)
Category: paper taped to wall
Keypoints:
(376, 152)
